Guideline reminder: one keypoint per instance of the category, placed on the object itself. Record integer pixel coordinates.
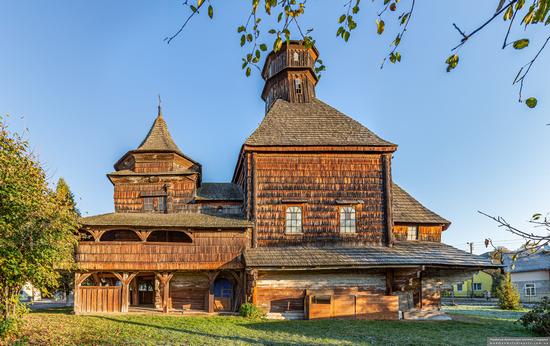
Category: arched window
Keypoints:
(293, 220)
(169, 237)
(120, 235)
(85, 236)
(347, 219)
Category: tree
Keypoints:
(508, 296)
(37, 225)
(534, 241)
(288, 13)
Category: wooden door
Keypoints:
(223, 294)
(145, 292)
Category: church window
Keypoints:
(296, 56)
(154, 204)
(347, 219)
(294, 219)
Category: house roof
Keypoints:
(401, 254)
(191, 220)
(528, 262)
(311, 124)
(219, 192)
(407, 209)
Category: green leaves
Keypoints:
(452, 62)
(520, 44)
(379, 26)
(531, 102)
(210, 12)
(395, 57)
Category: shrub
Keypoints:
(249, 310)
(538, 319)
(508, 296)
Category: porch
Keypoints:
(184, 292)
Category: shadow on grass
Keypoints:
(65, 310)
(188, 331)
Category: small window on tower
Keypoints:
(148, 204)
(298, 85)
(412, 233)
(296, 57)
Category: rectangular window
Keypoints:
(321, 299)
(161, 204)
(293, 221)
(530, 290)
(347, 219)
(154, 204)
(412, 233)
(148, 204)
(459, 287)
(477, 286)
(298, 85)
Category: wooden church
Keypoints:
(311, 226)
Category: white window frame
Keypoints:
(148, 204)
(348, 219)
(410, 235)
(293, 219)
(531, 289)
(296, 57)
(476, 284)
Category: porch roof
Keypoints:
(401, 254)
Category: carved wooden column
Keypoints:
(125, 278)
(135, 292)
(164, 279)
(251, 278)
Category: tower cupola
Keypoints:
(289, 74)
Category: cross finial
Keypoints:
(159, 107)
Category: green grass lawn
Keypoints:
(62, 328)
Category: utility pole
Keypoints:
(472, 285)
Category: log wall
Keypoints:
(189, 290)
(425, 232)
(320, 180)
(284, 291)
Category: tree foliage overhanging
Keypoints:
(37, 224)
(514, 13)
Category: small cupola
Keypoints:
(289, 74)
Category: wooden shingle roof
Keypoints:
(158, 138)
(219, 192)
(311, 124)
(187, 220)
(406, 209)
(410, 253)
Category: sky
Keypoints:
(81, 79)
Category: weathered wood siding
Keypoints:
(354, 306)
(320, 180)
(284, 291)
(209, 250)
(155, 162)
(129, 191)
(189, 290)
(98, 299)
(425, 233)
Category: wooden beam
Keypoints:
(386, 158)
(165, 278)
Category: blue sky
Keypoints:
(83, 77)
